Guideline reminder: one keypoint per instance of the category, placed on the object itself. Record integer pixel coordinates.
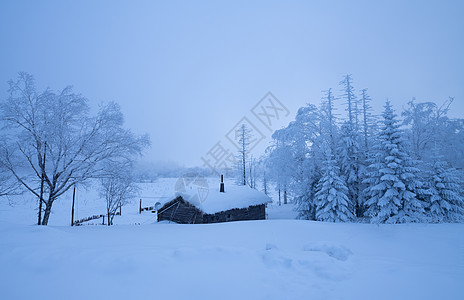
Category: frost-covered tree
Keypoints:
(368, 124)
(280, 166)
(350, 159)
(446, 204)
(244, 136)
(311, 139)
(8, 184)
(265, 184)
(289, 157)
(427, 122)
(452, 139)
(308, 145)
(117, 187)
(52, 138)
(331, 195)
(379, 168)
(348, 150)
(252, 166)
(351, 101)
(328, 120)
(265, 177)
(391, 177)
(306, 190)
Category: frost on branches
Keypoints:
(446, 204)
(331, 196)
(391, 178)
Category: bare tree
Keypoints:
(8, 184)
(77, 144)
(427, 122)
(244, 135)
(117, 187)
(368, 121)
(328, 119)
(265, 184)
(351, 101)
(252, 165)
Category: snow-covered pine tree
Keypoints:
(365, 138)
(348, 150)
(305, 189)
(391, 178)
(349, 158)
(445, 204)
(331, 196)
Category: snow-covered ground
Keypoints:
(273, 259)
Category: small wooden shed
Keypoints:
(238, 203)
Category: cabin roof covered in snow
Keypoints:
(235, 196)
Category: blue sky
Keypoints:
(186, 71)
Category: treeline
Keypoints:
(364, 167)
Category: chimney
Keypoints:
(221, 187)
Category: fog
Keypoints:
(187, 72)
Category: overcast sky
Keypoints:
(186, 72)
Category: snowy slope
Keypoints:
(277, 258)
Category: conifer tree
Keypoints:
(391, 178)
(446, 203)
(331, 196)
(349, 162)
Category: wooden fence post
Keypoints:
(221, 187)
(72, 210)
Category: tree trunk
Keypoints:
(265, 185)
(48, 209)
(72, 209)
(42, 180)
(39, 219)
(244, 168)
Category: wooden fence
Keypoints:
(94, 217)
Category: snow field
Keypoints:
(273, 259)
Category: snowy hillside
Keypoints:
(271, 259)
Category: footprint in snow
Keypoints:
(338, 252)
(270, 246)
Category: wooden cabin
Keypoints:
(237, 203)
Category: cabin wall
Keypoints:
(257, 212)
(180, 212)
